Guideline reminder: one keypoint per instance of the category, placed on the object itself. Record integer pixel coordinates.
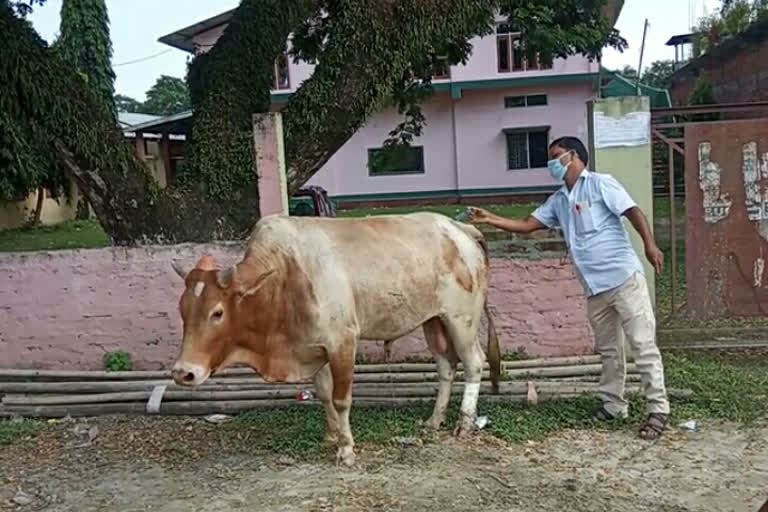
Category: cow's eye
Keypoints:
(216, 315)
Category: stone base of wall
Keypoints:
(66, 309)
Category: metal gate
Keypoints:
(719, 155)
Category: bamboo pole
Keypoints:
(280, 392)
(245, 372)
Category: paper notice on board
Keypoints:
(633, 129)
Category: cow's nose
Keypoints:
(189, 374)
(182, 377)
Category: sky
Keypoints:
(139, 59)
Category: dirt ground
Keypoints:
(172, 465)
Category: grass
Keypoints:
(724, 391)
(15, 430)
(78, 234)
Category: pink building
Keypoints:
(489, 123)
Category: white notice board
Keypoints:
(632, 129)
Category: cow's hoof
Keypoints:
(345, 455)
(434, 423)
(464, 427)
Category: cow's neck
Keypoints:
(271, 335)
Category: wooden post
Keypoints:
(270, 163)
(141, 149)
(165, 154)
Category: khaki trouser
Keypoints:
(614, 314)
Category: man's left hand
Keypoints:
(655, 257)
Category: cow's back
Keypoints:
(392, 271)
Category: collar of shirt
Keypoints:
(585, 174)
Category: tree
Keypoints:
(84, 44)
(169, 95)
(125, 103)
(734, 17)
(628, 72)
(368, 53)
(659, 74)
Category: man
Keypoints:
(589, 209)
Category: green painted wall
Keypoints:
(631, 165)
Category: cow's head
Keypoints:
(209, 312)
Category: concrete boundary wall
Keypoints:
(66, 309)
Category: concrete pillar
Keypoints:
(270, 163)
(620, 145)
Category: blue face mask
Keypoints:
(557, 169)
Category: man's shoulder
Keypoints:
(606, 181)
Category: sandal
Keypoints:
(602, 414)
(654, 426)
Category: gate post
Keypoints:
(620, 145)
(270, 163)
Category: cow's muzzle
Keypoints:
(185, 374)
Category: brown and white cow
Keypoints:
(309, 288)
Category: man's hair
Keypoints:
(572, 144)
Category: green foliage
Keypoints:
(84, 44)
(229, 85)
(169, 95)
(127, 104)
(14, 430)
(734, 18)
(659, 74)
(118, 361)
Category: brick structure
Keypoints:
(65, 309)
(737, 69)
(727, 217)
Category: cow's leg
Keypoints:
(323, 381)
(463, 332)
(445, 356)
(342, 365)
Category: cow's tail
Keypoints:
(493, 351)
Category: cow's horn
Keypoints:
(179, 269)
(206, 263)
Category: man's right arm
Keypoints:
(526, 225)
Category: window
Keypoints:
(527, 148)
(514, 101)
(534, 100)
(282, 78)
(443, 71)
(510, 51)
(404, 160)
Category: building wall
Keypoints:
(482, 64)
(66, 309)
(15, 214)
(739, 77)
(465, 147)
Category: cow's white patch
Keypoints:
(757, 272)
(469, 401)
(716, 205)
(199, 287)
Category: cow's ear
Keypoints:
(253, 286)
(179, 269)
(226, 277)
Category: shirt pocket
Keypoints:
(583, 217)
